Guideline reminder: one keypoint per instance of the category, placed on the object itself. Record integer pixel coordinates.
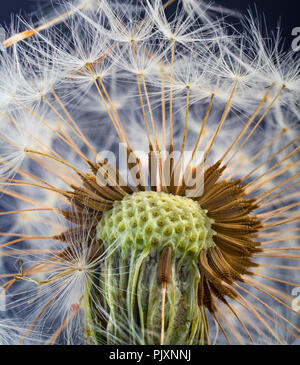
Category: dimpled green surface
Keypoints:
(134, 233)
(156, 218)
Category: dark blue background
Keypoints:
(288, 11)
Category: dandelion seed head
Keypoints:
(140, 259)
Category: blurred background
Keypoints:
(286, 13)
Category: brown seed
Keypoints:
(164, 265)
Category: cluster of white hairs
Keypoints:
(95, 73)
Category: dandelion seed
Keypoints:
(148, 249)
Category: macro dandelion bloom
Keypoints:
(149, 172)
